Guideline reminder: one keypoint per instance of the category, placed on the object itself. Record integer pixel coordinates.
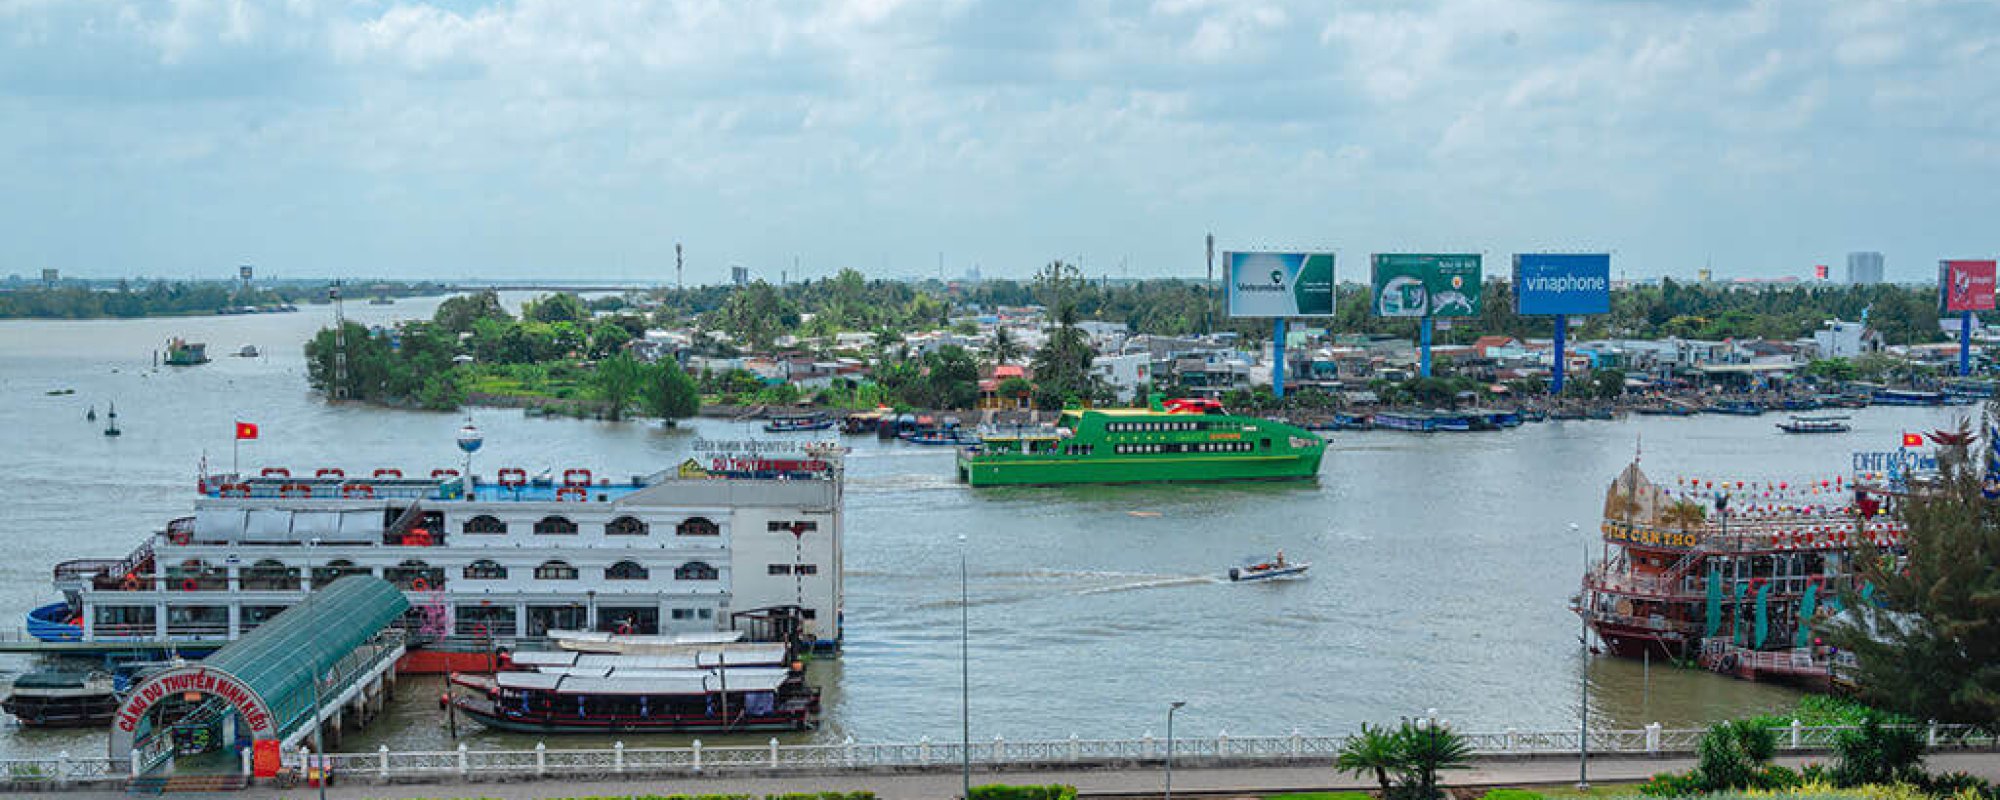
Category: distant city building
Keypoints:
(51, 276)
(739, 276)
(1864, 268)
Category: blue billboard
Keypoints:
(1562, 283)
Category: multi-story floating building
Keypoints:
(750, 544)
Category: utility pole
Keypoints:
(339, 342)
(1208, 308)
(679, 284)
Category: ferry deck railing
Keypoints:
(1221, 749)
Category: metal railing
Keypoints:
(59, 770)
(1219, 750)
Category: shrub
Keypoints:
(1671, 784)
(1956, 784)
(1054, 791)
(1511, 794)
(1875, 754)
(1774, 777)
(1733, 755)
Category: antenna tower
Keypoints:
(678, 283)
(339, 342)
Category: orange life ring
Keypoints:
(354, 490)
(190, 585)
(131, 583)
(420, 585)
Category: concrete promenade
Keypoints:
(945, 785)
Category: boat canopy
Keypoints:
(686, 657)
(680, 684)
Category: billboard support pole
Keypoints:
(1562, 338)
(1964, 343)
(1424, 349)
(1278, 358)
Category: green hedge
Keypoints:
(1053, 791)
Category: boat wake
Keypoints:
(1161, 583)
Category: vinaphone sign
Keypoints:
(1562, 283)
(1279, 285)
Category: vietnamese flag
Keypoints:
(1909, 439)
(246, 430)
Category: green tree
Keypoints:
(616, 381)
(1607, 383)
(558, 307)
(1832, 369)
(1374, 751)
(459, 314)
(1427, 749)
(1062, 366)
(1004, 349)
(607, 337)
(952, 378)
(1927, 642)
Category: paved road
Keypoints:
(935, 786)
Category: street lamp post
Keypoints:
(1171, 708)
(1584, 601)
(964, 672)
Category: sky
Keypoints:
(580, 139)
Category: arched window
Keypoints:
(335, 570)
(625, 526)
(485, 570)
(555, 526)
(555, 571)
(626, 571)
(698, 526)
(407, 574)
(695, 571)
(270, 575)
(485, 523)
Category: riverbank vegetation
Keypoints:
(131, 299)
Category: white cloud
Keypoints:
(515, 136)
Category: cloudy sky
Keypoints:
(583, 139)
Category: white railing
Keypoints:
(1220, 749)
(60, 769)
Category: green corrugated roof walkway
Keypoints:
(278, 658)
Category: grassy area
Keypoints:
(1567, 792)
(1321, 796)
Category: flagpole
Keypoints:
(235, 450)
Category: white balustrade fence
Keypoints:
(1219, 749)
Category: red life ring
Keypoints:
(442, 473)
(131, 583)
(354, 490)
(180, 536)
(513, 476)
(571, 493)
(479, 629)
(330, 472)
(420, 585)
(576, 477)
(190, 585)
(277, 472)
(295, 490)
(388, 472)
(235, 490)
(625, 629)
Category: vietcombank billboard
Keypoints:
(1279, 284)
(1423, 284)
(1562, 283)
(1965, 286)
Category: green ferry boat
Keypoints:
(1174, 441)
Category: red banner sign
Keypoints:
(1966, 285)
(203, 680)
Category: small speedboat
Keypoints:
(1824, 424)
(1268, 570)
(790, 424)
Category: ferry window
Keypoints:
(335, 570)
(695, 571)
(125, 621)
(485, 523)
(807, 569)
(471, 620)
(626, 571)
(484, 569)
(705, 613)
(625, 526)
(555, 571)
(697, 526)
(1264, 444)
(270, 575)
(559, 526)
(407, 574)
(780, 569)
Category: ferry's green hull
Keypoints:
(1145, 446)
(1010, 470)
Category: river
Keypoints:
(1442, 564)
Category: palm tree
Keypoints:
(1004, 348)
(1427, 748)
(1684, 515)
(1373, 750)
